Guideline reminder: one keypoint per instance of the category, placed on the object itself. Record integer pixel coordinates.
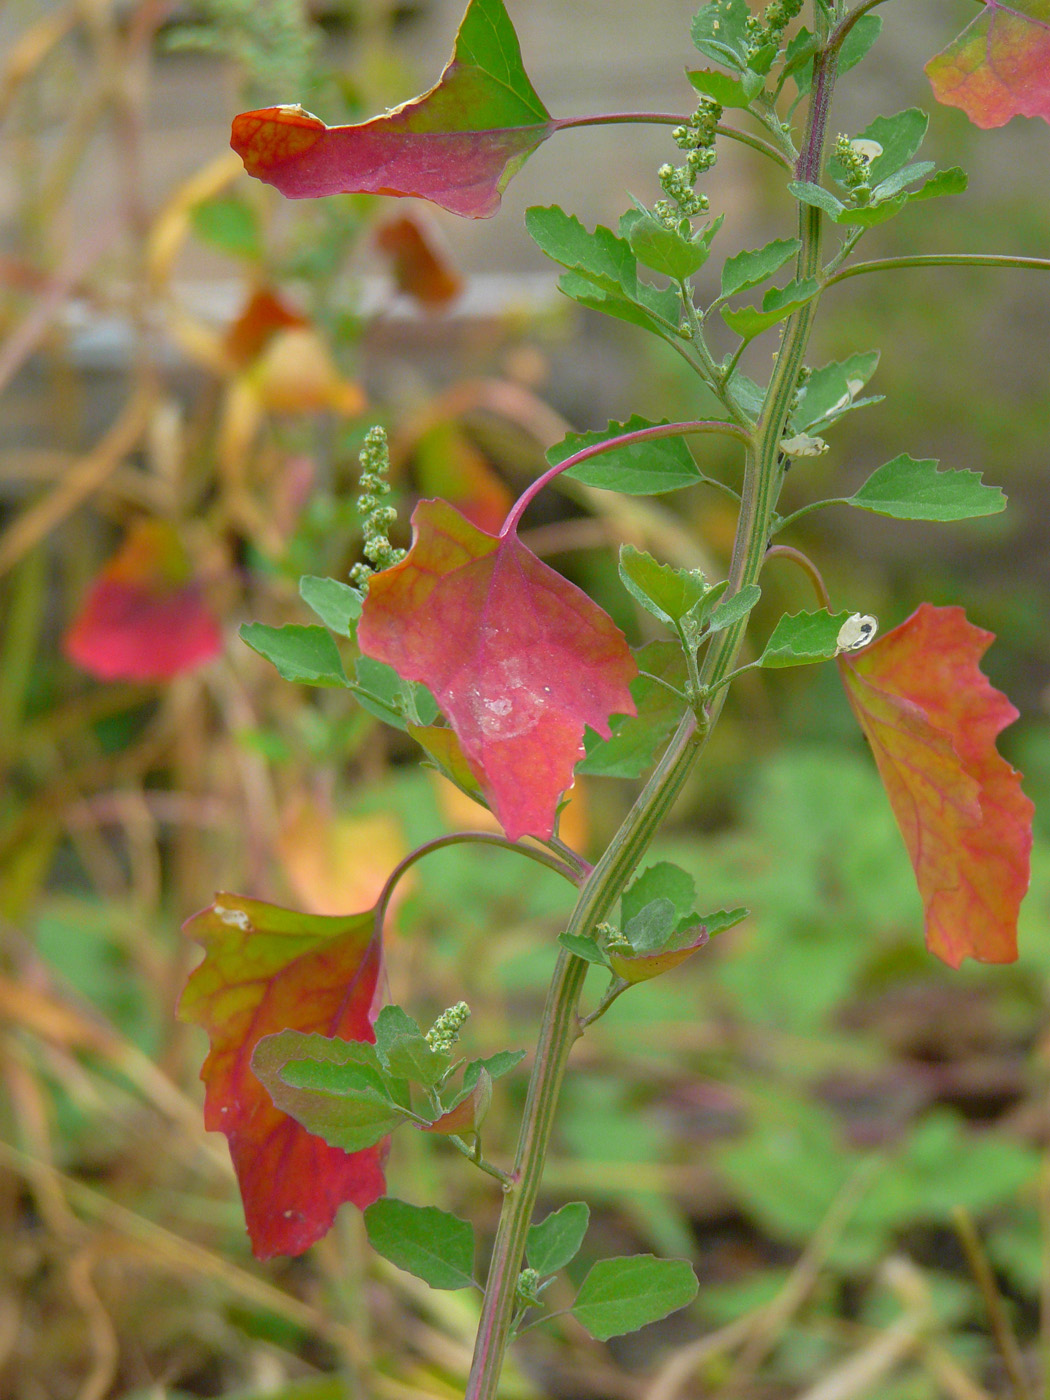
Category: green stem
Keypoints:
(560, 1025)
(939, 260)
(670, 119)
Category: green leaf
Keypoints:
(777, 304)
(748, 269)
(422, 1240)
(635, 738)
(229, 224)
(915, 490)
(666, 592)
(600, 257)
(854, 47)
(676, 253)
(832, 390)
(493, 1065)
(638, 469)
(951, 181)
(720, 32)
(662, 881)
(336, 1089)
(722, 919)
(816, 196)
(621, 1295)
(651, 927)
(655, 310)
(403, 1048)
(799, 638)
(899, 179)
(553, 1242)
(729, 91)
(397, 702)
(741, 603)
(336, 604)
(307, 655)
(585, 948)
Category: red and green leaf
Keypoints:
(457, 144)
(999, 66)
(144, 618)
(519, 659)
(931, 718)
(265, 970)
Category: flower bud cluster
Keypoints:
(775, 19)
(697, 139)
(855, 157)
(376, 518)
(444, 1033)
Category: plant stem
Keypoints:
(560, 1025)
(670, 119)
(939, 260)
(659, 430)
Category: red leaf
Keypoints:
(143, 618)
(520, 660)
(457, 144)
(999, 66)
(931, 718)
(269, 969)
(421, 268)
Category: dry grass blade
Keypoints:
(85, 477)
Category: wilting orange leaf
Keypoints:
(144, 618)
(931, 718)
(457, 144)
(260, 318)
(269, 969)
(421, 268)
(999, 66)
(519, 659)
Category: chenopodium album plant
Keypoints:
(499, 667)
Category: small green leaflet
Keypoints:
(832, 390)
(638, 469)
(748, 269)
(493, 1065)
(649, 929)
(733, 609)
(336, 604)
(304, 654)
(654, 309)
(635, 738)
(674, 252)
(729, 91)
(800, 638)
(585, 948)
(621, 1295)
(383, 693)
(777, 304)
(551, 1244)
(335, 1088)
(403, 1049)
(665, 592)
(662, 881)
(422, 1240)
(885, 202)
(601, 257)
(915, 490)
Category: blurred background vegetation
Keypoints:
(847, 1139)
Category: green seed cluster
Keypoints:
(697, 139)
(528, 1286)
(376, 518)
(769, 30)
(444, 1033)
(854, 163)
